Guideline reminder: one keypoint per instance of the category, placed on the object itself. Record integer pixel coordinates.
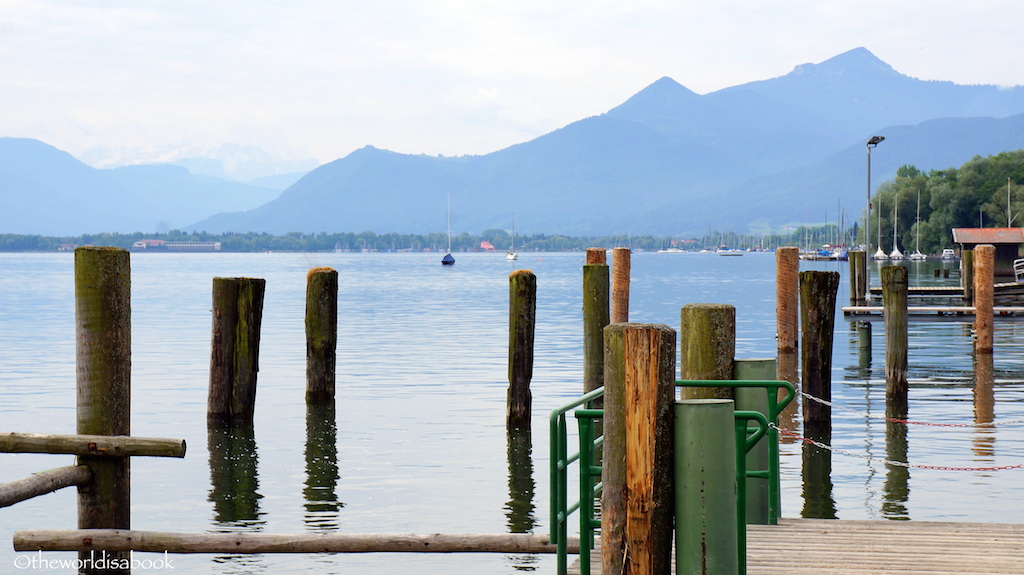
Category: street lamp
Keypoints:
(874, 141)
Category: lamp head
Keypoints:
(874, 141)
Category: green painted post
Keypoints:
(756, 399)
(705, 494)
(103, 330)
(321, 333)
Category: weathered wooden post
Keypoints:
(894, 309)
(967, 275)
(620, 285)
(705, 495)
(636, 501)
(787, 298)
(818, 307)
(321, 333)
(103, 336)
(235, 348)
(522, 316)
(707, 346)
(595, 318)
(984, 281)
(859, 294)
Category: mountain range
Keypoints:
(752, 157)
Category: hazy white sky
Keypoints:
(320, 79)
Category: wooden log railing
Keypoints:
(123, 540)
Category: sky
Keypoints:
(318, 80)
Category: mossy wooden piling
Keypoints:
(817, 324)
(620, 285)
(967, 275)
(321, 333)
(894, 309)
(707, 346)
(859, 294)
(522, 318)
(235, 347)
(595, 317)
(637, 496)
(103, 332)
(984, 281)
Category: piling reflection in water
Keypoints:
(984, 441)
(322, 474)
(234, 477)
(896, 487)
(817, 477)
(520, 508)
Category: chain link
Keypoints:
(869, 457)
(908, 421)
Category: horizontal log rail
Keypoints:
(160, 542)
(110, 445)
(42, 483)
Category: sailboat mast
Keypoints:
(449, 223)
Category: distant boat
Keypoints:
(896, 254)
(512, 255)
(948, 254)
(917, 255)
(448, 260)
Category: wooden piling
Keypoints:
(859, 294)
(817, 314)
(894, 310)
(620, 285)
(103, 328)
(321, 333)
(787, 294)
(597, 256)
(707, 346)
(95, 445)
(984, 280)
(235, 347)
(967, 276)
(636, 503)
(522, 317)
(595, 318)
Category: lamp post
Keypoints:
(874, 141)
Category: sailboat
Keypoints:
(917, 255)
(879, 254)
(512, 255)
(896, 254)
(448, 260)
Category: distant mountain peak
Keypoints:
(661, 97)
(856, 62)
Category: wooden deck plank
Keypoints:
(853, 547)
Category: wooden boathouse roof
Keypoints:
(974, 236)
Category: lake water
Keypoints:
(418, 442)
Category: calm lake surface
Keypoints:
(417, 442)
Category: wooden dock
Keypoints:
(841, 547)
(933, 313)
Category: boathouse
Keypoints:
(1006, 240)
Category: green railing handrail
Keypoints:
(775, 408)
(560, 461)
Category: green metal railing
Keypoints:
(589, 471)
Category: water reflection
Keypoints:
(234, 489)
(519, 510)
(817, 477)
(984, 440)
(897, 477)
(320, 491)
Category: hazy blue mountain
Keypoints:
(668, 160)
(44, 190)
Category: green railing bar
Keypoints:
(744, 443)
(775, 408)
